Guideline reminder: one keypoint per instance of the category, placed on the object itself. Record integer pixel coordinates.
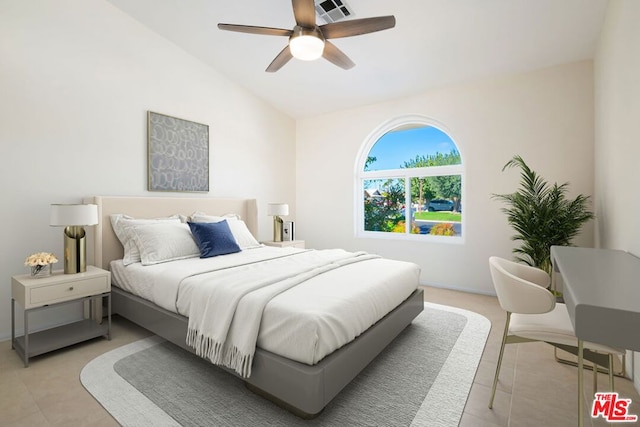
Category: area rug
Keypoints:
(422, 378)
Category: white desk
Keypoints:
(602, 294)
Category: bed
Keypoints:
(301, 388)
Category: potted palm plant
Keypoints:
(541, 215)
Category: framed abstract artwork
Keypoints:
(178, 154)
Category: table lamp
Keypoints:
(276, 210)
(73, 218)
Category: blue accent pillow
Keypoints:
(213, 238)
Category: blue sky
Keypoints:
(396, 147)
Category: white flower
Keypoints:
(41, 258)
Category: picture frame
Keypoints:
(288, 232)
(178, 154)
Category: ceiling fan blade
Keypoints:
(356, 27)
(283, 57)
(267, 31)
(305, 13)
(333, 54)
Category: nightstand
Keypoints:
(288, 244)
(35, 294)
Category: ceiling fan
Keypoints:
(308, 41)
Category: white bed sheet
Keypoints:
(305, 323)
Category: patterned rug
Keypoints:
(422, 378)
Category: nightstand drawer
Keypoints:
(69, 290)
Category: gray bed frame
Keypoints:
(302, 389)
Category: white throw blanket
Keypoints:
(225, 313)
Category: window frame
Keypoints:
(360, 176)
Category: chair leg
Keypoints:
(504, 342)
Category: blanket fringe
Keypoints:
(218, 354)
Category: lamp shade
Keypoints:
(65, 215)
(277, 209)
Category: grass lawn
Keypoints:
(439, 216)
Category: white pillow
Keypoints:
(203, 217)
(238, 228)
(243, 236)
(122, 225)
(164, 241)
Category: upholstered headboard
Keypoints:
(107, 247)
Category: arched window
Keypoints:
(409, 182)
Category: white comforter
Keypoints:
(304, 323)
(226, 306)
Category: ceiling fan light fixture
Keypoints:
(308, 41)
(306, 44)
(306, 48)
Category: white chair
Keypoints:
(534, 315)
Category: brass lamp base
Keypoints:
(75, 250)
(277, 228)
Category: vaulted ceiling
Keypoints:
(434, 43)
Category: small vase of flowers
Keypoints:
(40, 264)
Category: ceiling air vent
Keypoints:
(332, 10)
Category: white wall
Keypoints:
(545, 116)
(76, 80)
(617, 135)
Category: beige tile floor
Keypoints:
(534, 389)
